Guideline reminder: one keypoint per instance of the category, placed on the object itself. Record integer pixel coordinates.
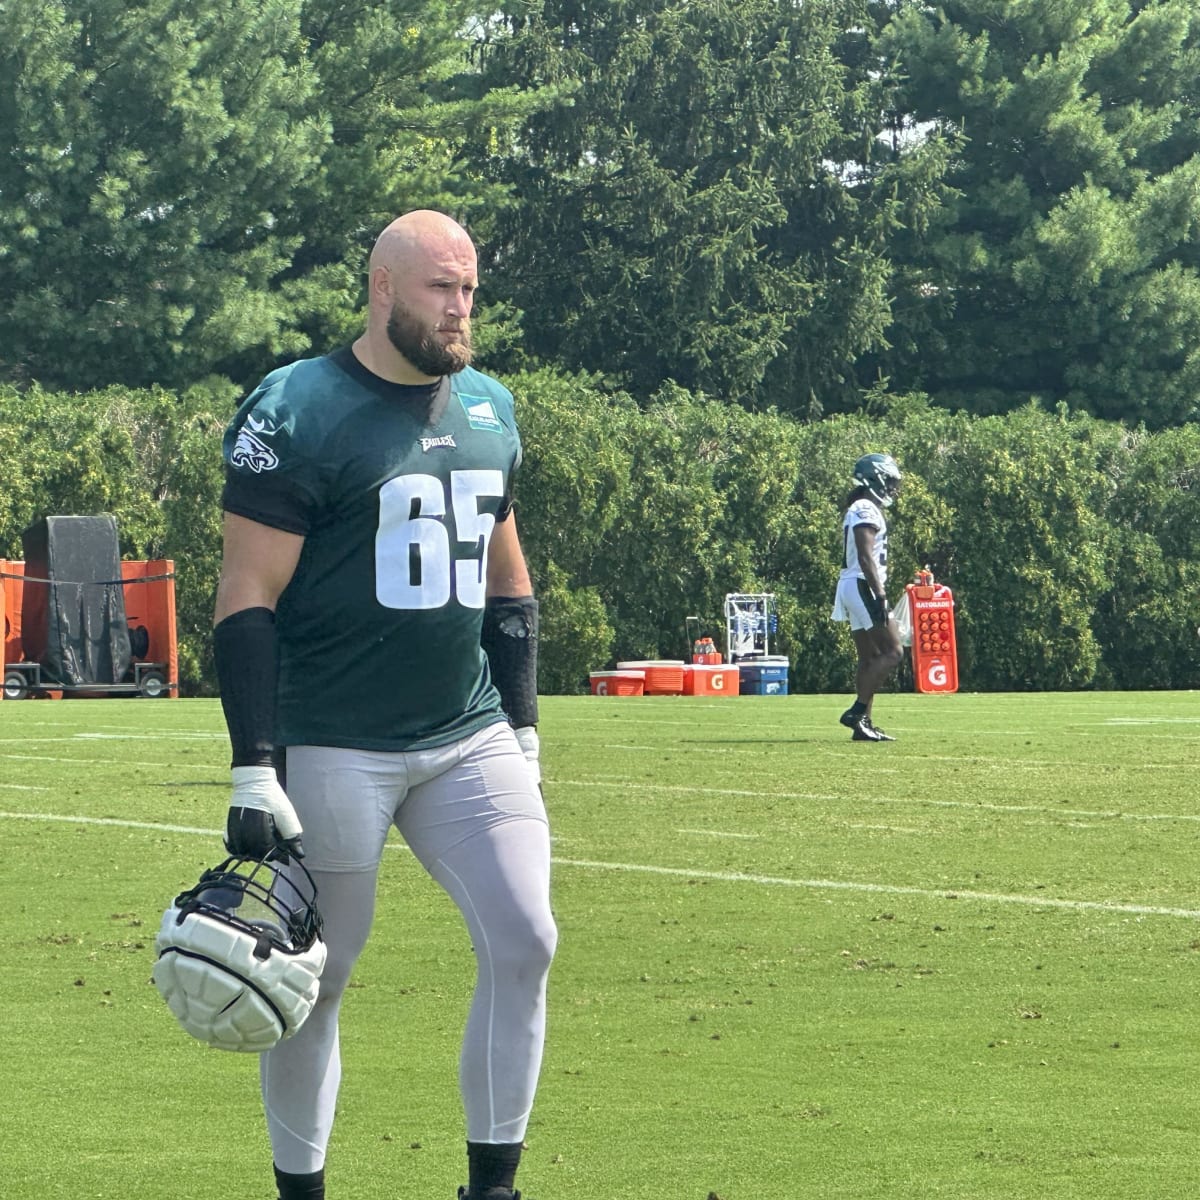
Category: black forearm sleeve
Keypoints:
(510, 639)
(246, 655)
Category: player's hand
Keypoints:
(527, 738)
(261, 817)
(877, 606)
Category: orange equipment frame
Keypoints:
(150, 614)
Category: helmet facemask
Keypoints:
(254, 895)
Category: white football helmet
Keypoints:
(240, 955)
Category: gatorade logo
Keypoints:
(602, 688)
(718, 681)
(936, 675)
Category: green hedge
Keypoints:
(1072, 544)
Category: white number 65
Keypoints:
(400, 533)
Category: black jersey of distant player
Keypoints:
(396, 491)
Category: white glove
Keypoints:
(527, 739)
(261, 817)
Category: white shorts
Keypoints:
(849, 603)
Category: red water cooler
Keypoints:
(934, 654)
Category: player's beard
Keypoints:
(422, 347)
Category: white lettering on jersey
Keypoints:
(434, 443)
(481, 412)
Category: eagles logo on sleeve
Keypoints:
(251, 451)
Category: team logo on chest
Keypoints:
(445, 442)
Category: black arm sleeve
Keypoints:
(510, 638)
(246, 655)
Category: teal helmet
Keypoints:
(880, 475)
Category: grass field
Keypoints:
(791, 966)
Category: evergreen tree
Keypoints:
(712, 204)
(147, 153)
(192, 187)
(1065, 268)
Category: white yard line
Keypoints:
(917, 801)
(888, 889)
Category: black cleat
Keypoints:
(490, 1194)
(864, 731)
(879, 734)
(850, 718)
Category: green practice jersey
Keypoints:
(396, 490)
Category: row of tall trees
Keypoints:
(190, 189)
(781, 205)
(727, 247)
(1072, 544)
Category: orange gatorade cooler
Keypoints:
(618, 683)
(664, 676)
(706, 679)
(934, 652)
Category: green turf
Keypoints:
(791, 966)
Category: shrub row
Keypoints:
(1072, 544)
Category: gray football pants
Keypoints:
(473, 817)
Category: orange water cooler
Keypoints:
(934, 653)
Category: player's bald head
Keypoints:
(416, 236)
(420, 288)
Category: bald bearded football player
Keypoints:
(375, 638)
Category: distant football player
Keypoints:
(861, 597)
(375, 639)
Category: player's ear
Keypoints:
(381, 284)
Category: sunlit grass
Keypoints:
(960, 965)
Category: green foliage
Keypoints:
(698, 222)
(713, 183)
(147, 157)
(791, 207)
(575, 633)
(1028, 549)
(1064, 268)
(194, 188)
(151, 459)
(1147, 623)
(1070, 543)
